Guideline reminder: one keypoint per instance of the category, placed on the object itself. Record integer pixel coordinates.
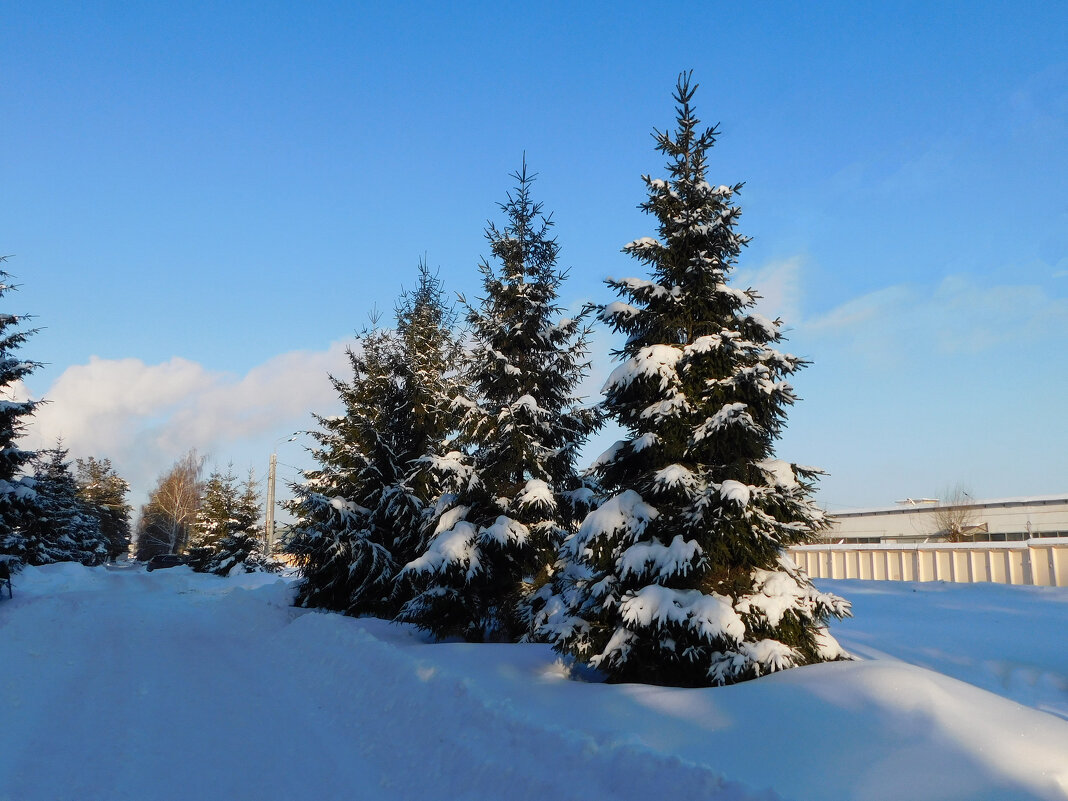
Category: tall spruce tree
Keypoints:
(16, 493)
(511, 473)
(344, 557)
(426, 328)
(681, 576)
(64, 527)
(358, 514)
(104, 491)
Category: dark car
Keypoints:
(165, 560)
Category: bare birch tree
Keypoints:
(171, 509)
(956, 518)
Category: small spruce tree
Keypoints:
(227, 531)
(64, 527)
(681, 576)
(243, 542)
(424, 421)
(214, 520)
(511, 474)
(104, 491)
(16, 492)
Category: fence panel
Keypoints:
(1039, 562)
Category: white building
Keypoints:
(923, 520)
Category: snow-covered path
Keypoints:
(175, 686)
(170, 685)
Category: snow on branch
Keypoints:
(661, 561)
(504, 532)
(608, 456)
(674, 406)
(731, 414)
(450, 547)
(626, 512)
(617, 309)
(768, 326)
(711, 617)
(769, 656)
(536, 495)
(645, 289)
(650, 361)
(647, 440)
(778, 473)
(646, 249)
(735, 492)
(675, 476)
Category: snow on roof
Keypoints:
(1022, 500)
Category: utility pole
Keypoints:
(272, 475)
(271, 472)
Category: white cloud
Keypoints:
(1039, 107)
(143, 417)
(958, 316)
(862, 311)
(779, 285)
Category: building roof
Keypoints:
(1028, 500)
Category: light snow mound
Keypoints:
(735, 492)
(271, 703)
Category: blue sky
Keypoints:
(205, 201)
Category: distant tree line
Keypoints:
(215, 523)
(47, 512)
(51, 513)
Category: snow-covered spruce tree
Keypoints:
(424, 421)
(343, 553)
(243, 540)
(511, 474)
(63, 528)
(227, 532)
(680, 577)
(360, 513)
(214, 520)
(16, 493)
(104, 491)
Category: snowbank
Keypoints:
(174, 685)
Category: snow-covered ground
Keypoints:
(170, 685)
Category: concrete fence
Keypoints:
(1042, 562)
